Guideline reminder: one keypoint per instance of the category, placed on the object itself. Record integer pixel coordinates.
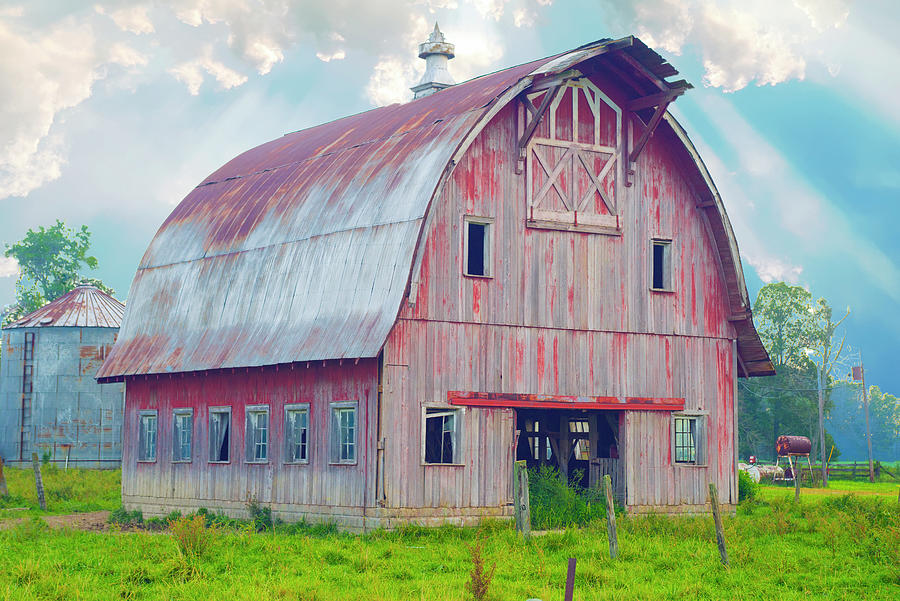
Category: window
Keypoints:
(477, 246)
(147, 436)
(29, 346)
(343, 432)
(689, 439)
(296, 420)
(661, 265)
(182, 434)
(441, 436)
(581, 431)
(219, 434)
(257, 438)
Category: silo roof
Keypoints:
(85, 306)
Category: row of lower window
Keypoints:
(440, 440)
(256, 434)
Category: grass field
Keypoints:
(843, 543)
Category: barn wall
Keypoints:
(316, 490)
(569, 313)
(70, 412)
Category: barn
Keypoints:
(50, 403)
(366, 322)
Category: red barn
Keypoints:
(369, 320)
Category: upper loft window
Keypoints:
(478, 246)
(661, 265)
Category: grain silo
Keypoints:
(50, 402)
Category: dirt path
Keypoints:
(95, 521)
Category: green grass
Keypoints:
(830, 546)
(71, 491)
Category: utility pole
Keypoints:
(859, 373)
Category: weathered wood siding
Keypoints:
(294, 490)
(564, 313)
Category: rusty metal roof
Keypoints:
(301, 249)
(85, 306)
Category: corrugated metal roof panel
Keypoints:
(85, 306)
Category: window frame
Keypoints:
(176, 441)
(459, 459)
(252, 410)
(488, 254)
(334, 440)
(702, 438)
(288, 441)
(220, 409)
(668, 275)
(142, 437)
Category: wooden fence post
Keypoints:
(611, 518)
(523, 504)
(717, 518)
(796, 488)
(38, 482)
(570, 580)
(3, 490)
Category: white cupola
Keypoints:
(437, 53)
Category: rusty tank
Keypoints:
(792, 445)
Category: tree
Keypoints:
(884, 411)
(794, 331)
(50, 263)
(826, 351)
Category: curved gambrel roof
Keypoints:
(302, 248)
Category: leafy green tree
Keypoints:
(795, 331)
(884, 423)
(51, 261)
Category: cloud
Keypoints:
(133, 19)
(191, 73)
(771, 269)
(765, 42)
(53, 71)
(9, 267)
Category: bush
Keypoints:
(747, 488)
(192, 536)
(260, 516)
(123, 517)
(555, 504)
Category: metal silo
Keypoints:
(50, 402)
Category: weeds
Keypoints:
(192, 536)
(479, 583)
(260, 516)
(747, 488)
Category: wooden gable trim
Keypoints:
(512, 400)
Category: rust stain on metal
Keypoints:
(85, 306)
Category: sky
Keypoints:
(111, 111)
